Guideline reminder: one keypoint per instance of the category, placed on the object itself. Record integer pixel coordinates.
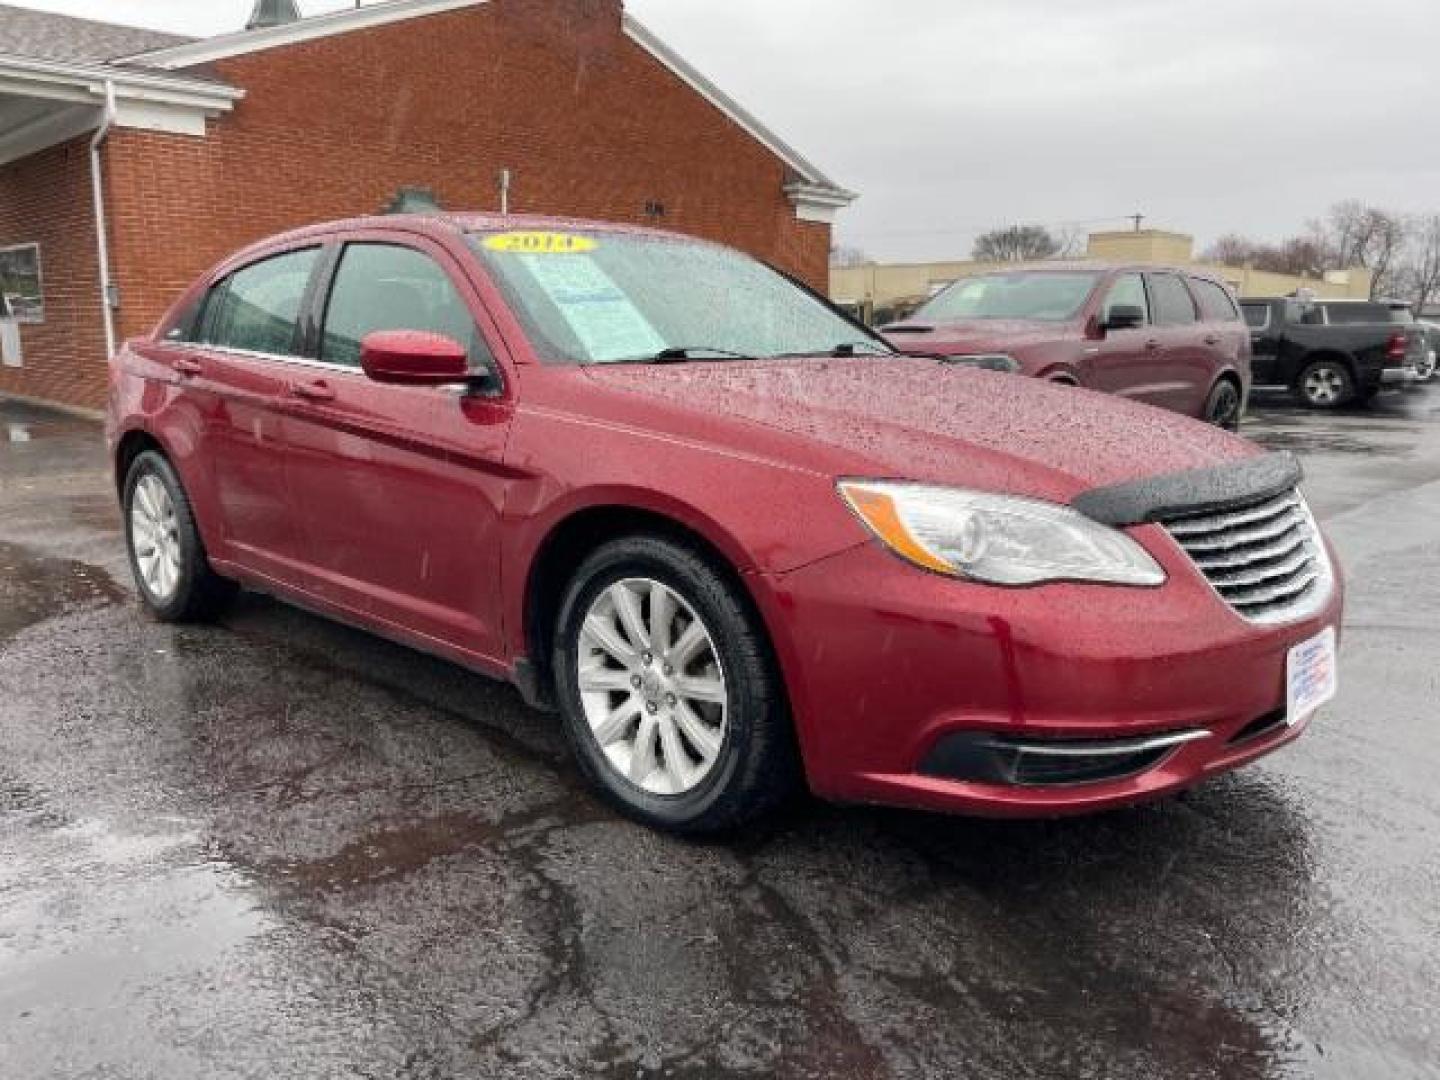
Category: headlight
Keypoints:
(997, 538)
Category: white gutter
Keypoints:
(102, 241)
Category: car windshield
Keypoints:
(596, 297)
(1043, 296)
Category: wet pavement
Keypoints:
(278, 847)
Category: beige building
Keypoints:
(894, 289)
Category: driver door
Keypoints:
(399, 489)
(1121, 363)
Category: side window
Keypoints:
(1216, 303)
(1258, 316)
(1173, 305)
(387, 287)
(1128, 291)
(257, 308)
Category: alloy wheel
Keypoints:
(1324, 386)
(652, 687)
(155, 537)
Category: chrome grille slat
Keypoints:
(1259, 596)
(1219, 563)
(1188, 527)
(1299, 560)
(1225, 541)
(1266, 560)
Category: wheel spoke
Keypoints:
(705, 740)
(662, 614)
(601, 633)
(684, 650)
(711, 691)
(642, 761)
(599, 679)
(627, 605)
(677, 762)
(615, 726)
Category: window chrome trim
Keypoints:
(298, 361)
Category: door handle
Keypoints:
(1152, 345)
(188, 368)
(1212, 339)
(313, 391)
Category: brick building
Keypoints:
(186, 150)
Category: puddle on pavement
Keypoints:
(1320, 442)
(33, 589)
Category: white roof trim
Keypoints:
(808, 172)
(86, 83)
(242, 42)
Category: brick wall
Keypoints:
(46, 199)
(589, 123)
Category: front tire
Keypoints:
(670, 696)
(1325, 384)
(167, 556)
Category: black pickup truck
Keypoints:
(1332, 352)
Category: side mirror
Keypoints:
(413, 358)
(1124, 317)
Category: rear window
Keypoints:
(1216, 304)
(257, 309)
(1257, 315)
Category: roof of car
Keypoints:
(443, 222)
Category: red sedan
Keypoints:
(731, 536)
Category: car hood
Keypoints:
(974, 336)
(922, 420)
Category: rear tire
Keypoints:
(167, 556)
(1225, 406)
(1325, 384)
(671, 699)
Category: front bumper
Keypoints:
(887, 666)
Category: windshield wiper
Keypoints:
(845, 351)
(686, 354)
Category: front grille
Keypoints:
(1266, 561)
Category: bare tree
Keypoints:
(1299, 256)
(1359, 235)
(1418, 277)
(1232, 249)
(1018, 243)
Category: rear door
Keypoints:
(1178, 378)
(399, 490)
(1266, 325)
(231, 362)
(1226, 338)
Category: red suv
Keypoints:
(734, 539)
(1165, 337)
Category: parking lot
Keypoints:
(282, 848)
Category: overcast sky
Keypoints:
(952, 116)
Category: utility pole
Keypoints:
(1139, 220)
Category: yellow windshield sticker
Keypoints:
(540, 243)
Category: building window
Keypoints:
(21, 287)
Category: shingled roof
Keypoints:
(41, 35)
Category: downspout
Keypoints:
(102, 242)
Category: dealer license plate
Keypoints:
(1313, 676)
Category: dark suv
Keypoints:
(1162, 336)
(1330, 353)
